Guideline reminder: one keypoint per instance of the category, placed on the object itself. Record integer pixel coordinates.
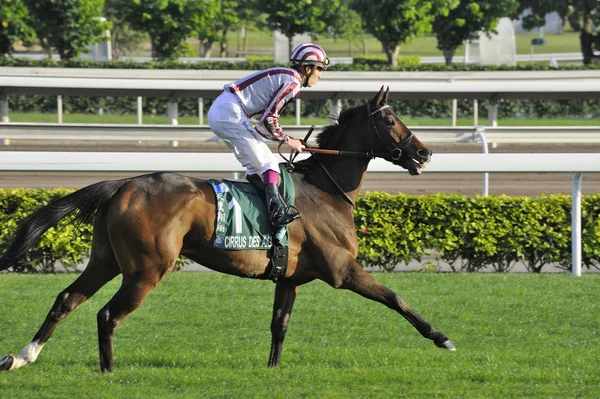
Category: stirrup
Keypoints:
(279, 219)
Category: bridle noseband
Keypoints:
(395, 150)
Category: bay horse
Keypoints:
(142, 224)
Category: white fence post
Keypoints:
(480, 130)
(4, 108)
(454, 111)
(172, 111)
(298, 113)
(4, 115)
(59, 108)
(201, 111)
(139, 110)
(493, 113)
(576, 223)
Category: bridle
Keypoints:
(395, 150)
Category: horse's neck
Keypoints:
(347, 172)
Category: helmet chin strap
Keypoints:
(307, 77)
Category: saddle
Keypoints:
(242, 220)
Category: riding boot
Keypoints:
(277, 214)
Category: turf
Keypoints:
(206, 335)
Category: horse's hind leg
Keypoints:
(361, 282)
(285, 296)
(95, 275)
(133, 291)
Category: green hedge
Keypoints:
(475, 233)
(468, 233)
(67, 244)
(189, 107)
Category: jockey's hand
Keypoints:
(296, 144)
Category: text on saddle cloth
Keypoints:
(242, 220)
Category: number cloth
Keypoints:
(242, 221)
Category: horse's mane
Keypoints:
(329, 137)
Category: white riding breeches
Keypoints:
(229, 122)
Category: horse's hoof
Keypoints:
(447, 344)
(6, 362)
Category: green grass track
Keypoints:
(206, 335)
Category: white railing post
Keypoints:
(4, 115)
(201, 111)
(576, 223)
(298, 111)
(454, 111)
(480, 130)
(59, 108)
(335, 110)
(172, 111)
(493, 113)
(4, 108)
(139, 110)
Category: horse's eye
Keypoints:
(390, 122)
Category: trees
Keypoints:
(212, 22)
(583, 15)
(349, 26)
(300, 16)
(465, 21)
(124, 39)
(68, 26)
(13, 25)
(167, 22)
(394, 22)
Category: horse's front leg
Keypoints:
(354, 278)
(285, 295)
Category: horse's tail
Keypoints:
(86, 201)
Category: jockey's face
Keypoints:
(316, 75)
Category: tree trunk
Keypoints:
(395, 55)
(223, 43)
(290, 49)
(586, 39)
(245, 40)
(154, 50)
(391, 52)
(207, 49)
(449, 54)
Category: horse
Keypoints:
(142, 224)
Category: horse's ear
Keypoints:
(379, 97)
(386, 95)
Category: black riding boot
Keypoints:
(277, 214)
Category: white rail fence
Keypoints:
(225, 162)
(201, 133)
(176, 84)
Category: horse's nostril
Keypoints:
(425, 153)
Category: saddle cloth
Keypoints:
(242, 221)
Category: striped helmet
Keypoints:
(309, 54)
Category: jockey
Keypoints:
(262, 96)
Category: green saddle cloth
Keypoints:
(242, 221)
